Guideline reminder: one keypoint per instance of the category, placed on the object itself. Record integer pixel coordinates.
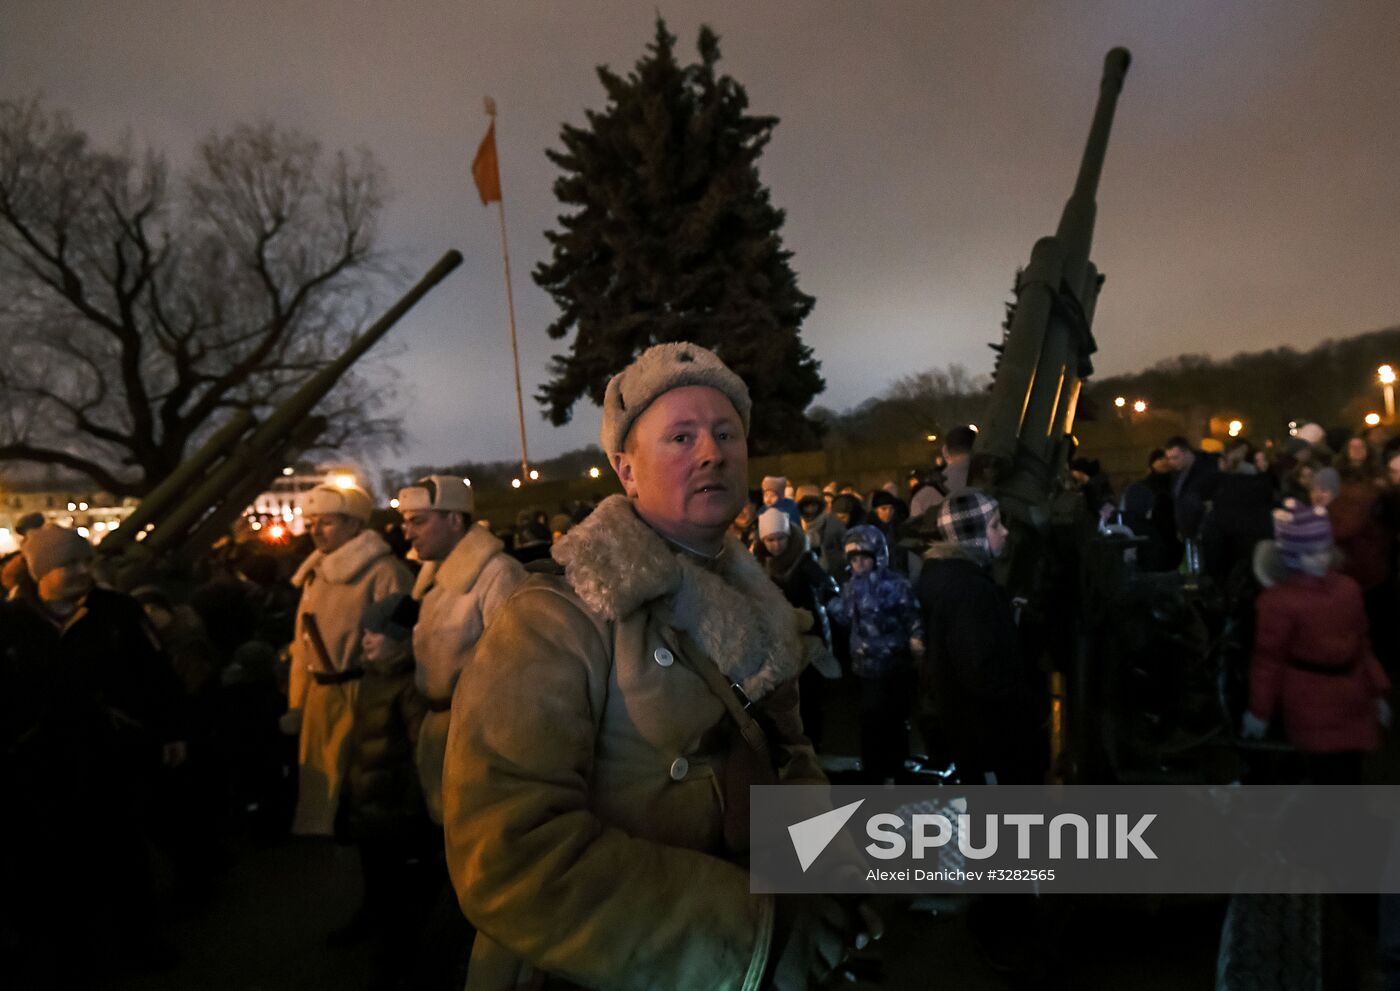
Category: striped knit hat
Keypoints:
(1300, 531)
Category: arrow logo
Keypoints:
(811, 836)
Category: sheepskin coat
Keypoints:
(584, 786)
(336, 588)
(459, 595)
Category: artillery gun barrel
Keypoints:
(272, 435)
(1045, 356)
(163, 495)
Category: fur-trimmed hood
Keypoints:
(345, 564)
(618, 564)
(463, 565)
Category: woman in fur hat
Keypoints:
(594, 791)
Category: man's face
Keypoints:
(996, 535)
(771, 496)
(1357, 451)
(1180, 458)
(1161, 466)
(376, 646)
(332, 531)
(433, 534)
(66, 583)
(884, 513)
(861, 564)
(686, 464)
(776, 543)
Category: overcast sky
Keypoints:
(1251, 196)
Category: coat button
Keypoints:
(664, 657)
(680, 767)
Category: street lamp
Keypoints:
(1236, 427)
(515, 483)
(1373, 419)
(1387, 376)
(594, 473)
(1120, 401)
(1140, 406)
(534, 475)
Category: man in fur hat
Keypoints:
(350, 569)
(592, 793)
(467, 576)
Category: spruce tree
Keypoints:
(672, 236)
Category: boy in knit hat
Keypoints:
(887, 643)
(1313, 661)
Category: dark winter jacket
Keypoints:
(88, 705)
(804, 583)
(985, 699)
(881, 611)
(1191, 490)
(1241, 515)
(1313, 661)
(382, 797)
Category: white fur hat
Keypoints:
(774, 483)
(443, 493)
(352, 501)
(773, 521)
(658, 370)
(1312, 433)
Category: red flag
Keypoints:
(486, 169)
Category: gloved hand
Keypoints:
(1384, 714)
(290, 722)
(811, 936)
(1252, 727)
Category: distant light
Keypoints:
(100, 527)
(113, 525)
(466, 481)
(141, 536)
(393, 504)
(931, 438)
(594, 473)
(83, 532)
(1293, 431)
(1140, 406)
(82, 506)
(515, 483)
(150, 527)
(1387, 375)
(256, 526)
(344, 481)
(1373, 419)
(297, 511)
(277, 532)
(72, 506)
(973, 428)
(1292, 424)
(1120, 401)
(534, 475)
(1236, 428)
(288, 470)
(287, 515)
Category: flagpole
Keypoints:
(510, 310)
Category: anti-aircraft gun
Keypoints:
(189, 510)
(1137, 699)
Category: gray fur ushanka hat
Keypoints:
(658, 370)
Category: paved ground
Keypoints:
(265, 925)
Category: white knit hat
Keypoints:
(773, 521)
(443, 493)
(774, 483)
(352, 501)
(658, 370)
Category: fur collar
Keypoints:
(343, 565)
(463, 565)
(617, 564)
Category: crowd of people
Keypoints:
(540, 740)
